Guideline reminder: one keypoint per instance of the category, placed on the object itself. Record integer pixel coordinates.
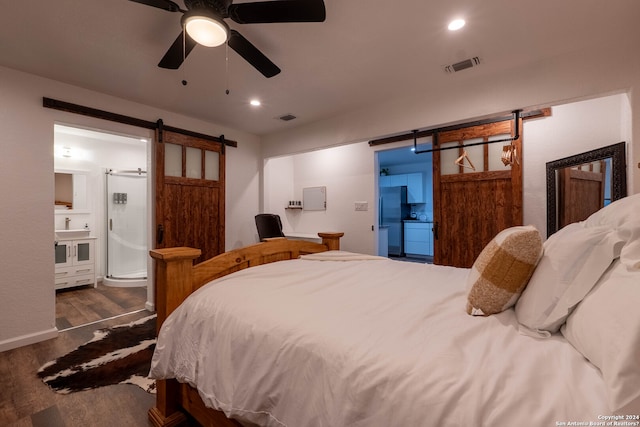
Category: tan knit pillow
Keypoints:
(502, 270)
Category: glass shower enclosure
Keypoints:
(126, 192)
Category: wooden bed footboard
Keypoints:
(176, 278)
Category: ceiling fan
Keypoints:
(204, 24)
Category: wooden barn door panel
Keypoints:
(192, 219)
(474, 210)
(190, 193)
(472, 206)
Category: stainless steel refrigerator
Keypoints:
(393, 209)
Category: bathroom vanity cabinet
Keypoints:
(75, 263)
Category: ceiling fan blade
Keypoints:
(175, 56)
(161, 4)
(252, 55)
(278, 11)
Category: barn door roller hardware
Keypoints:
(516, 120)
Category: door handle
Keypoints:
(110, 224)
(435, 230)
(160, 234)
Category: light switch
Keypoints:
(362, 206)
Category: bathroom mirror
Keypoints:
(70, 191)
(314, 199)
(581, 184)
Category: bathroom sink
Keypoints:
(72, 234)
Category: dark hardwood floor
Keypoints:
(86, 304)
(25, 401)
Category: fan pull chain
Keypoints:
(226, 68)
(184, 55)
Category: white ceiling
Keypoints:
(366, 52)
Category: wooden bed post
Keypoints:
(173, 266)
(331, 240)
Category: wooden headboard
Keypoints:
(177, 277)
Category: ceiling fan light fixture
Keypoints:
(205, 28)
(456, 24)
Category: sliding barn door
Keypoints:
(477, 197)
(190, 193)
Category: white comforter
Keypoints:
(368, 343)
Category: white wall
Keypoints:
(347, 174)
(350, 172)
(279, 189)
(27, 298)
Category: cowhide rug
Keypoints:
(117, 355)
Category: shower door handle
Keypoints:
(160, 234)
(110, 224)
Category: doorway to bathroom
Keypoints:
(108, 163)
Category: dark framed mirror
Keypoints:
(580, 185)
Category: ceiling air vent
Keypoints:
(462, 65)
(287, 117)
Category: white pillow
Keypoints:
(605, 327)
(630, 233)
(624, 216)
(616, 213)
(574, 258)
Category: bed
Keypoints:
(535, 333)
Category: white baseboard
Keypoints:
(150, 306)
(28, 339)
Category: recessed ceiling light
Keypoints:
(255, 102)
(456, 24)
